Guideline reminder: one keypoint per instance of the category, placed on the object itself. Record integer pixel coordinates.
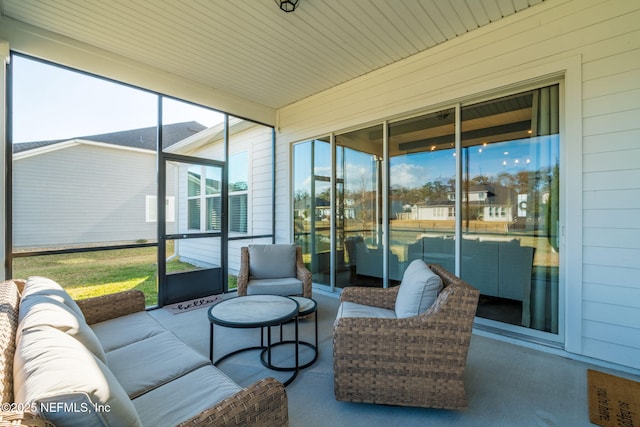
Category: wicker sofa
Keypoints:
(412, 361)
(106, 361)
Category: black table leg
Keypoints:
(211, 342)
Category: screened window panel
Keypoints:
(238, 213)
(214, 215)
(194, 214)
(193, 183)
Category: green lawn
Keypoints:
(90, 274)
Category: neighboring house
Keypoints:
(491, 203)
(108, 182)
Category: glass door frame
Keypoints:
(383, 184)
(163, 237)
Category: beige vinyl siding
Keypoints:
(594, 48)
(256, 140)
(611, 166)
(82, 194)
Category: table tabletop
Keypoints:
(305, 305)
(253, 311)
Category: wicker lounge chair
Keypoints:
(414, 361)
(269, 277)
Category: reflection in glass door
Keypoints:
(510, 178)
(486, 209)
(422, 182)
(312, 206)
(359, 230)
(196, 199)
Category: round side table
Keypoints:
(307, 306)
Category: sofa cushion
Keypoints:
(184, 397)
(272, 261)
(147, 364)
(353, 309)
(284, 286)
(124, 330)
(67, 383)
(38, 309)
(418, 290)
(44, 286)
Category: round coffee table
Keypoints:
(254, 311)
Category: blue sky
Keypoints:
(415, 170)
(54, 103)
(511, 157)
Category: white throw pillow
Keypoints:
(418, 290)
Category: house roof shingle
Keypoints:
(142, 138)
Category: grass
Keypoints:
(91, 274)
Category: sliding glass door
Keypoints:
(510, 207)
(312, 206)
(474, 188)
(360, 241)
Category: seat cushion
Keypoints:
(151, 362)
(353, 309)
(418, 290)
(272, 261)
(67, 383)
(39, 309)
(184, 397)
(124, 330)
(284, 286)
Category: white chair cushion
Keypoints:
(67, 383)
(272, 261)
(147, 364)
(353, 309)
(125, 330)
(418, 290)
(283, 286)
(184, 397)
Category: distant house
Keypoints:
(90, 190)
(483, 202)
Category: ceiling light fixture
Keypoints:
(287, 5)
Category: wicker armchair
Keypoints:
(415, 361)
(302, 273)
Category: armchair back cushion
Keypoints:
(418, 290)
(272, 261)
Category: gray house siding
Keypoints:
(82, 194)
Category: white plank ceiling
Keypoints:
(251, 49)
